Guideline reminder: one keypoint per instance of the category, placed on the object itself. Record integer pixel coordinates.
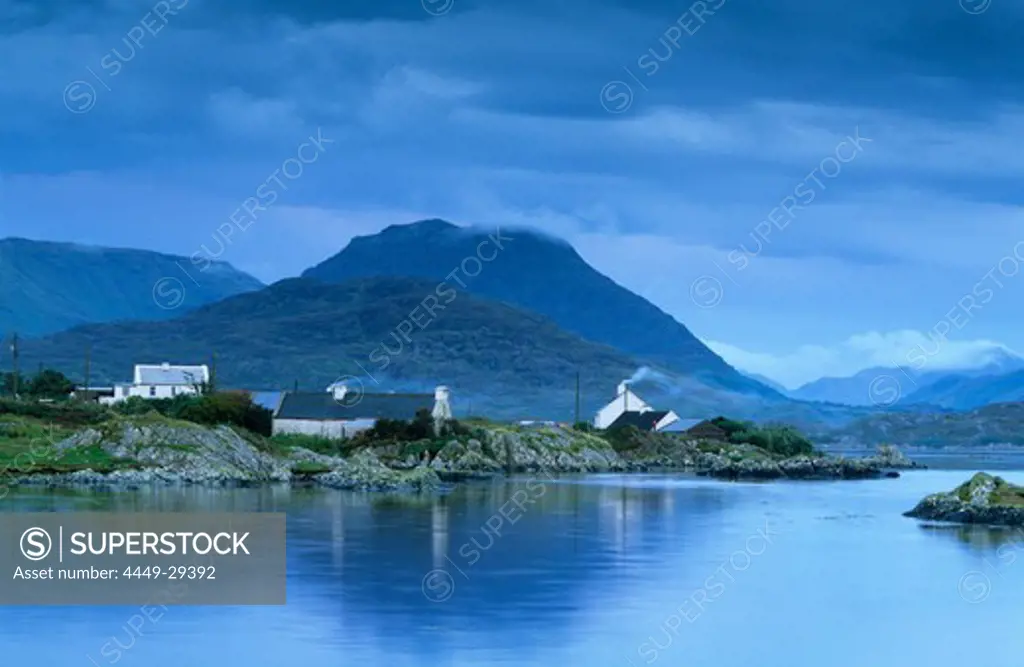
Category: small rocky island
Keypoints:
(984, 499)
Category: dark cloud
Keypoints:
(493, 111)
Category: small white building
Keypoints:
(342, 412)
(161, 381)
(625, 402)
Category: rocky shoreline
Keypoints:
(982, 500)
(170, 453)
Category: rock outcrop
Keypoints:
(169, 453)
(798, 467)
(887, 456)
(553, 449)
(983, 499)
(154, 450)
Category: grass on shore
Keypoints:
(28, 445)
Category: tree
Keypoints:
(10, 382)
(49, 383)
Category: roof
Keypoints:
(645, 421)
(321, 406)
(177, 375)
(683, 425)
(266, 399)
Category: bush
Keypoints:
(63, 413)
(731, 426)
(781, 440)
(49, 383)
(420, 427)
(623, 438)
(232, 408)
(583, 427)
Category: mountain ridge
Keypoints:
(558, 284)
(50, 286)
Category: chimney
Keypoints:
(442, 403)
(623, 388)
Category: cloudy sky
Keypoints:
(813, 188)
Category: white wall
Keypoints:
(327, 429)
(623, 402)
(668, 419)
(161, 391)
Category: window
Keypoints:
(152, 391)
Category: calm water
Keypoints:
(603, 570)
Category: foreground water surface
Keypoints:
(600, 570)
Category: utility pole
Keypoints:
(296, 387)
(213, 372)
(577, 419)
(14, 363)
(88, 360)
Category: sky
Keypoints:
(812, 188)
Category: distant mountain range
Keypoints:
(991, 425)
(966, 392)
(997, 380)
(47, 287)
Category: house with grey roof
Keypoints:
(164, 380)
(343, 411)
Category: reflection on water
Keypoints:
(599, 570)
(980, 538)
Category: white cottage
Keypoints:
(161, 381)
(627, 406)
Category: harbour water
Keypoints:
(597, 570)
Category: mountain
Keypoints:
(853, 390)
(915, 385)
(963, 392)
(768, 382)
(47, 287)
(992, 425)
(509, 360)
(499, 360)
(539, 273)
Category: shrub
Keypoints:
(63, 413)
(49, 383)
(781, 440)
(624, 438)
(232, 408)
(420, 427)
